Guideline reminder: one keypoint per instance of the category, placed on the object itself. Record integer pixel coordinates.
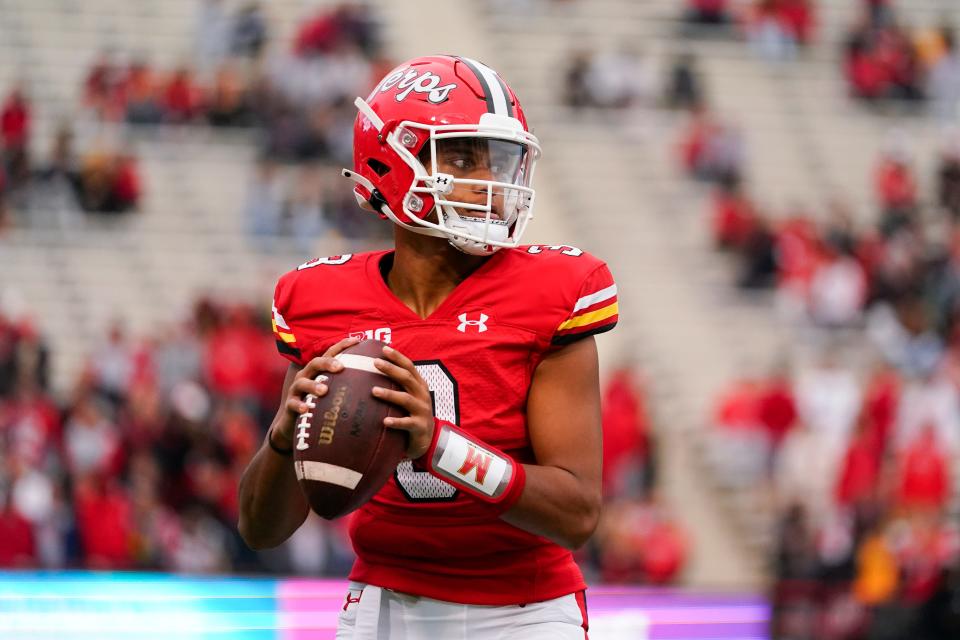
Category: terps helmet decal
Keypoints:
(422, 114)
(407, 80)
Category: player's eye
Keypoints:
(463, 163)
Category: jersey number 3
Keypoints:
(421, 486)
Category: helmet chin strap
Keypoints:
(493, 230)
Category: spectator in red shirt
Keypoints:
(15, 120)
(625, 447)
(880, 404)
(777, 407)
(181, 97)
(733, 218)
(798, 18)
(896, 190)
(17, 547)
(924, 474)
(798, 251)
(319, 34)
(897, 54)
(665, 554)
(866, 75)
(31, 424)
(104, 523)
(125, 192)
(232, 359)
(894, 181)
(14, 139)
(639, 542)
(710, 150)
(859, 475)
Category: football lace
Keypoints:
(309, 400)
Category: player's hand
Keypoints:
(414, 399)
(305, 383)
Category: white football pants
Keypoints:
(373, 613)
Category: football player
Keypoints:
(492, 343)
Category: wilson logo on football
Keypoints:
(479, 324)
(407, 80)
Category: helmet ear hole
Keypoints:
(378, 167)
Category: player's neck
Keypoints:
(426, 270)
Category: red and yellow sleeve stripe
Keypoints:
(593, 313)
(286, 341)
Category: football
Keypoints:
(342, 452)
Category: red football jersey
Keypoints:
(477, 352)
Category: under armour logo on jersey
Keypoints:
(480, 324)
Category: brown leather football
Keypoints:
(342, 452)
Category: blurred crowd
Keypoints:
(852, 440)
(103, 179)
(776, 30)
(623, 85)
(294, 98)
(886, 59)
(297, 98)
(138, 466)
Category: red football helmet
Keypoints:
(441, 147)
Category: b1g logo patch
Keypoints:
(406, 81)
(383, 334)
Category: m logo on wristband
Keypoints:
(466, 463)
(476, 459)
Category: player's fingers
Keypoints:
(409, 380)
(400, 398)
(328, 361)
(321, 364)
(303, 386)
(419, 441)
(400, 360)
(297, 405)
(340, 346)
(406, 423)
